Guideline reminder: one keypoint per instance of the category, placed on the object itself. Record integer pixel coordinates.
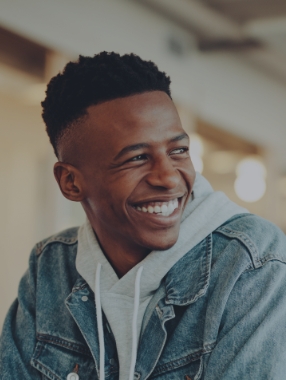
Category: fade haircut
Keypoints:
(93, 80)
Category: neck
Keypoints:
(122, 256)
(124, 262)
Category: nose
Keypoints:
(163, 174)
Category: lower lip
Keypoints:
(160, 220)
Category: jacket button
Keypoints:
(84, 298)
(72, 376)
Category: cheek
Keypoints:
(188, 173)
(112, 195)
(123, 184)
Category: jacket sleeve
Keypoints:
(252, 338)
(18, 337)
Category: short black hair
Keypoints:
(93, 80)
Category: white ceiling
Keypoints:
(248, 26)
(231, 82)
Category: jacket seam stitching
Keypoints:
(63, 343)
(246, 241)
(205, 280)
(49, 372)
(38, 351)
(40, 247)
(251, 269)
(190, 358)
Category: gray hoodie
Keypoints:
(124, 300)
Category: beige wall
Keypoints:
(22, 141)
(31, 205)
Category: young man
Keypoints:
(167, 279)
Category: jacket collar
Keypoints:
(189, 278)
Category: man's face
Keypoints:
(137, 171)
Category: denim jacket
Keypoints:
(220, 313)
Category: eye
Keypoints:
(140, 157)
(180, 150)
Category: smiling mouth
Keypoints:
(159, 208)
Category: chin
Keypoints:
(163, 247)
(161, 244)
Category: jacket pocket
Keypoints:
(171, 371)
(56, 362)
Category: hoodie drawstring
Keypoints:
(100, 325)
(134, 323)
(99, 322)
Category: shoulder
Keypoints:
(68, 237)
(54, 255)
(263, 240)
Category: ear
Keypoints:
(70, 181)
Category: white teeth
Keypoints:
(165, 209)
(157, 209)
(170, 208)
(150, 209)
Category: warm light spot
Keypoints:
(249, 189)
(250, 185)
(196, 152)
(251, 165)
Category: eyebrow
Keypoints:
(179, 137)
(134, 147)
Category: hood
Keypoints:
(124, 300)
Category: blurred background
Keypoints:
(227, 62)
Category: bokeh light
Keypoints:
(196, 152)
(250, 185)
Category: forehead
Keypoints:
(109, 127)
(139, 116)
